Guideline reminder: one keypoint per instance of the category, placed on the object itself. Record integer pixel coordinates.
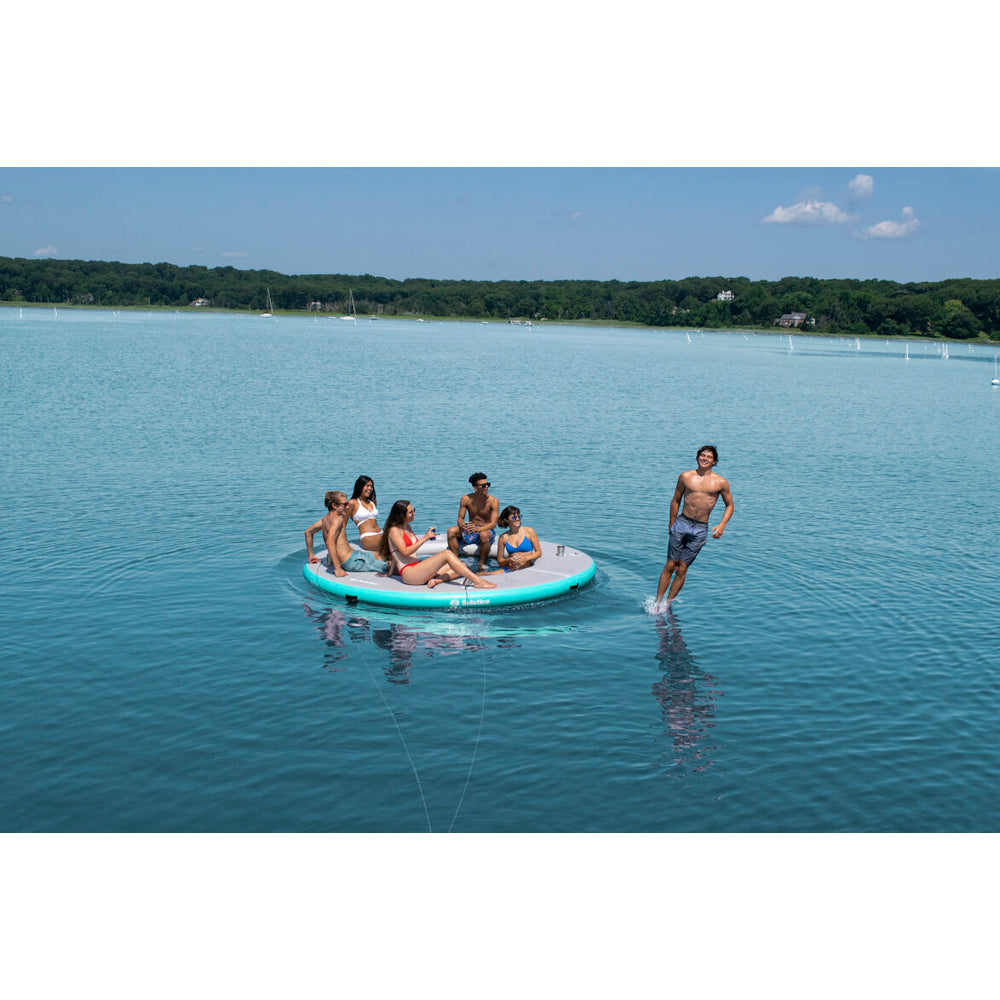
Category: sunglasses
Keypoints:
(486, 484)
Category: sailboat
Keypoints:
(353, 318)
(907, 352)
(996, 377)
(270, 306)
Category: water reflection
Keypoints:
(406, 638)
(687, 696)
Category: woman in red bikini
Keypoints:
(398, 546)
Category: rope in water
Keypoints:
(475, 749)
(406, 748)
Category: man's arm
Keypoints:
(675, 503)
(462, 508)
(727, 499)
(310, 531)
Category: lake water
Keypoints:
(831, 664)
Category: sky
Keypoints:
(516, 223)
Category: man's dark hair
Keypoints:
(711, 448)
(476, 476)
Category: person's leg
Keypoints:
(453, 533)
(485, 541)
(665, 574)
(430, 567)
(460, 569)
(679, 574)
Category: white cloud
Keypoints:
(889, 230)
(861, 187)
(235, 253)
(809, 213)
(49, 251)
(6, 197)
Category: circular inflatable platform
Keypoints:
(553, 575)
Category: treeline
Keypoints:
(961, 308)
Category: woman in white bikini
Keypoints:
(518, 547)
(362, 511)
(398, 546)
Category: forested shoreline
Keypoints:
(960, 308)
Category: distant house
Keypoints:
(200, 302)
(315, 307)
(792, 319)
(725, 296)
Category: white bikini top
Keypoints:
(362, 514)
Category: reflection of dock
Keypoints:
(686, 694)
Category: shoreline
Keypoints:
(426, 318)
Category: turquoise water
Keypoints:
(831, 664)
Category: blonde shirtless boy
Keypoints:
(699, 488)
(341, 558)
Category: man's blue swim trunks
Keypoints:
(686, 539)
(471, 537)
(363, 561)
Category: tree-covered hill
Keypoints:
(962, 308)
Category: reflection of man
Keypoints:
(340, 555)
(477, 518)
(401, 643)
(687, 710)
(699, 488)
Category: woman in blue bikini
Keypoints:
(518, 547)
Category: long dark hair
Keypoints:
(396, 519)
(359, 484)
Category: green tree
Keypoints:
(959, 322)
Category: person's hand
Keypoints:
(339, 572)
(717, 531)
(313, 559)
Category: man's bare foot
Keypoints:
(483, 585)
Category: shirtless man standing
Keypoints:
(340, 556)
(477, 518)
(699, 489)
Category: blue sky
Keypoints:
(905, 224)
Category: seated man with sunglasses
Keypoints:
(477, 518)
(341, 557)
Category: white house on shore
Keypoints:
(725, 296)
(791, 319)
